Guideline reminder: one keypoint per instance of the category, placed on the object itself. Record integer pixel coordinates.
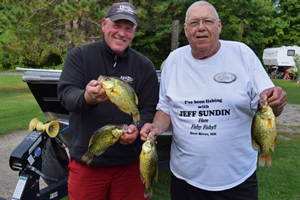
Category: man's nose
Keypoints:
(121, 32)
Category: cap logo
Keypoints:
(124, 8)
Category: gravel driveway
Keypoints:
(288, 121)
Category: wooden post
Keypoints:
(174, 39)
(175, 34)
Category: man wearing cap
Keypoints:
(114, 174)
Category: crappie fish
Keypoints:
(148, 166)
(122, 95)
(264, 134)
(102, 139)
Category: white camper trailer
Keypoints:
(280, 59)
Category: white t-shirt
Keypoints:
(211, 146)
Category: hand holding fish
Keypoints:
(130, 136)
(149, 131)
(94, 93)
(276, 98)
(161, 123)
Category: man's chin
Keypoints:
(119, 50)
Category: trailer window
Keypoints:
(291, 52)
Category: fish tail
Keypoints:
(87, 158)
(265, 159)
(142, 178)
(147, 192)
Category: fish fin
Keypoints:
(255, 145)
(274, 144)
(136, 117)
(99, 153)
(125, 110)
(87, 158)
(94, 138)
(136, 99)
(265, 159)
(91, 140)
(142, 178)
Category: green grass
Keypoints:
(291, 88)
(18, 105)
(161, 189)
(282, 180)
(279, 182)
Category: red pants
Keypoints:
(101, 183)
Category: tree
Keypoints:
(288, 10)
(153, 37)
(38, 33)
(251, 22)
(297, 65)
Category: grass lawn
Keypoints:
(280, 182)
(291, 88)
(18, 105)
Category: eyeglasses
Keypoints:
(205, 22)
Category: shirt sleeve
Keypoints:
(260, 78)
(71, 86)
(163, 103)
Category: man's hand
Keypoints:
(276, 98)
(94, 93)
(149, 131)
(161, 123)
(130, 136)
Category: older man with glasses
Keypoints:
(209, 92)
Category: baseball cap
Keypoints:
(122, 10)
